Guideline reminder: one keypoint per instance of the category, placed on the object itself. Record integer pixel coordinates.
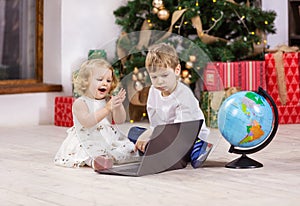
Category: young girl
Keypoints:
(93, 135)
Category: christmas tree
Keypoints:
(227, 30)
(210, 30)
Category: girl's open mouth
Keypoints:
(102, 89)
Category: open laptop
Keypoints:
(169, 148)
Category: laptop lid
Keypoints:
(169, 147)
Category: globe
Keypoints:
(248, 121)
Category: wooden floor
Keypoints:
(29, 177)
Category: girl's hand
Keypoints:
(116, 101)
(121, 95)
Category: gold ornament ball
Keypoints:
(187, 81)
(140, 76)
(155, 10)
(157, 3)
(189, 65)
(134, 77)
(163, 14)
(135, 70)
(192, 58)
(138, 86)
(185, 74)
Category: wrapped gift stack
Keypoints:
(282, 68)
(221, 79)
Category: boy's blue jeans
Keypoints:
(134, 133)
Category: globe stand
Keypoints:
(244, 162)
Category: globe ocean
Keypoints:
(245, 119)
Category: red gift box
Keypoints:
(212, 77)
(289, 114)
(248, 75)
(289, 111)
(255, 75)
(292, 78)
(63, 111)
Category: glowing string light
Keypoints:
(215, 22)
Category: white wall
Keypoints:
(86, 24)
(71, 28)
(52, 41)
(281, 21)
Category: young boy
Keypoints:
(171, 101)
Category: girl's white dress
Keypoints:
(82, 144)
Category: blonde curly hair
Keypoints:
(81, 81)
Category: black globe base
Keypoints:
(244, 162)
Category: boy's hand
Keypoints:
(143, 140)
(141, 145)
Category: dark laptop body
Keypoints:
(169, 148)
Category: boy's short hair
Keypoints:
(81, 83)
(161, 55)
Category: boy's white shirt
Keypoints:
(180, 106)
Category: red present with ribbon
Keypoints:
(246, 75)
(284, 88)
(63, 111)
(283, 82)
